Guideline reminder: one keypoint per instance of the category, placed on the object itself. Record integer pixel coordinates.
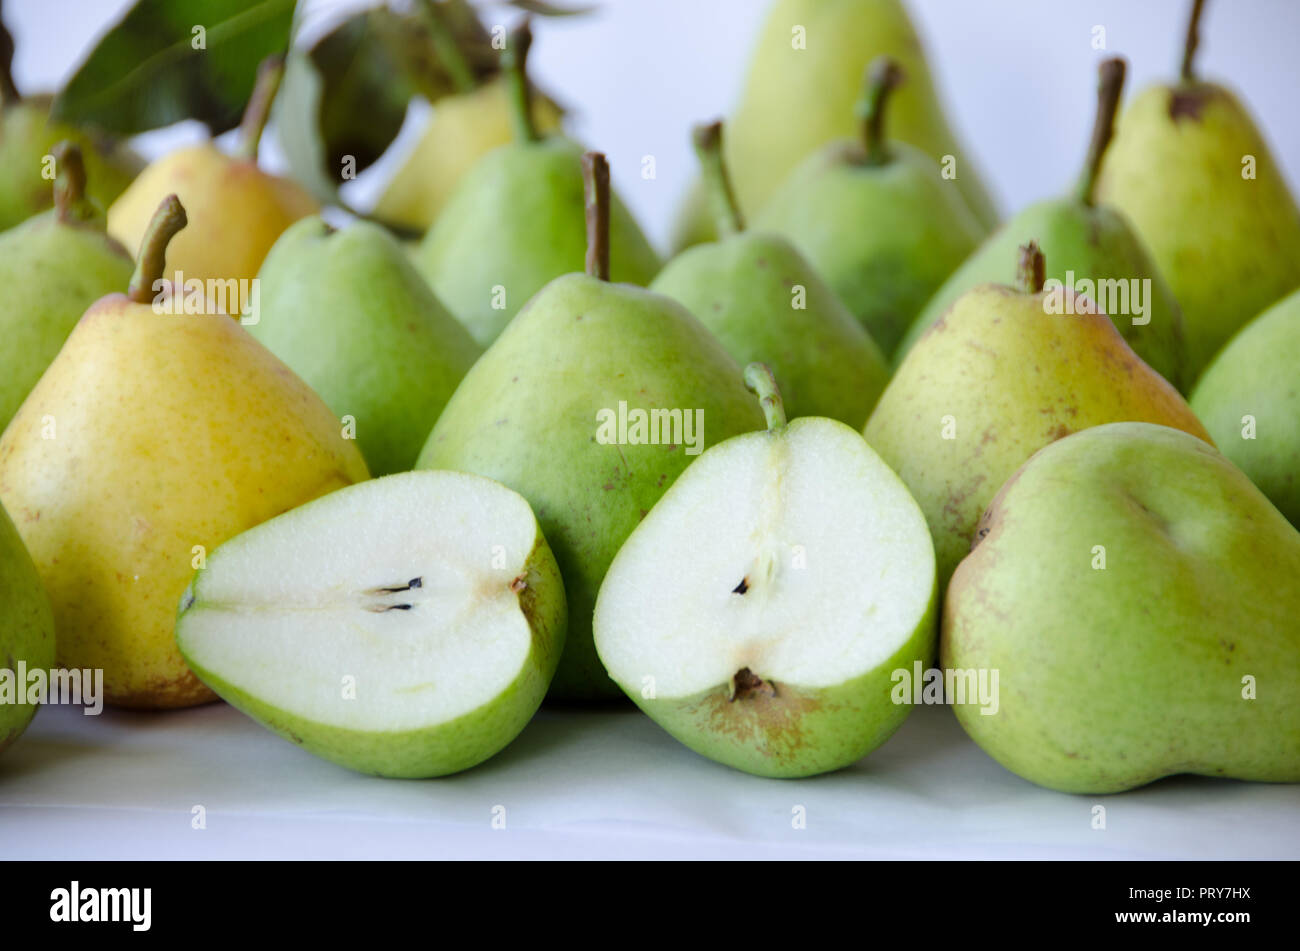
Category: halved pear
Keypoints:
(760, 609)
(407, 626)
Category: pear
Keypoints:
(53, 266)
(759, 611)
(1090, 244)
(1193, 172)
(407, 626)
(589, 404)
(516, 222)
(26, 630)
(764, 301)
(1004, 372)
(1249, 400)
(799, 95)
(238, 210)
(28, 136)
(876, 218)
(1176, 652)
(152, 438)
(348, 312)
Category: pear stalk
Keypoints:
(446, 49)
(1031, 274)
(258, 111)
(8, 91)
(70, 204)
(1193, 40)
(514, 60)
(1109, 88)
(595, 178)
(761, 381)
(149, 267)
(883, 76)
(708, 149)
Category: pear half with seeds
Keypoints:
(407, 626)
(760, 610)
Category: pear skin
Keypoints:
(994, 380)
(152, 438)
(26, 627)
(1249, 399)
(1136, 595)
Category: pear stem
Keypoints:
(708, 148)
(8, 91)
(70, 203)
(1031, 274)
(595, 177)
(1109, 88)
(1192, 41)
(149, 266)
(445, 47)
(258, 110)
(761, 381)
(514, 60)
(882, 77)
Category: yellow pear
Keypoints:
(464, 127)
(152, 438)
(237, 209)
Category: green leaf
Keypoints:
(146, 72)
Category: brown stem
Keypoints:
(595, 177)
(708, 149)
(1109, 88)
(883, 76)
(514, 61)
(70, 203)
(1031, 274)
(1192, 41)
(8, 91)
(258, 110)
(149, 266)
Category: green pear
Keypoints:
(590, 404)
(876, 218)
(26, 630)
(799, 95)
(1004, 372)
(1249, 400)
(52, 266)
(27, 139)
(759, 612)
(1192, 171)
(153, 437)
(516, 222)
(764, 301)
(348, 312)
(1089, 245)
(407, 626)
(1136, 596)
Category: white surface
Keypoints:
(1018, 77)
(607, 784)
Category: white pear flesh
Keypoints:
(406, 626)
(759, 610)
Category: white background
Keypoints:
(1019, 79)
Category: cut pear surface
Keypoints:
(759, 609)
(406, 626)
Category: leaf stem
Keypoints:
(446, 48)
(514, 60)
(1109, 88)
(882, 77)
